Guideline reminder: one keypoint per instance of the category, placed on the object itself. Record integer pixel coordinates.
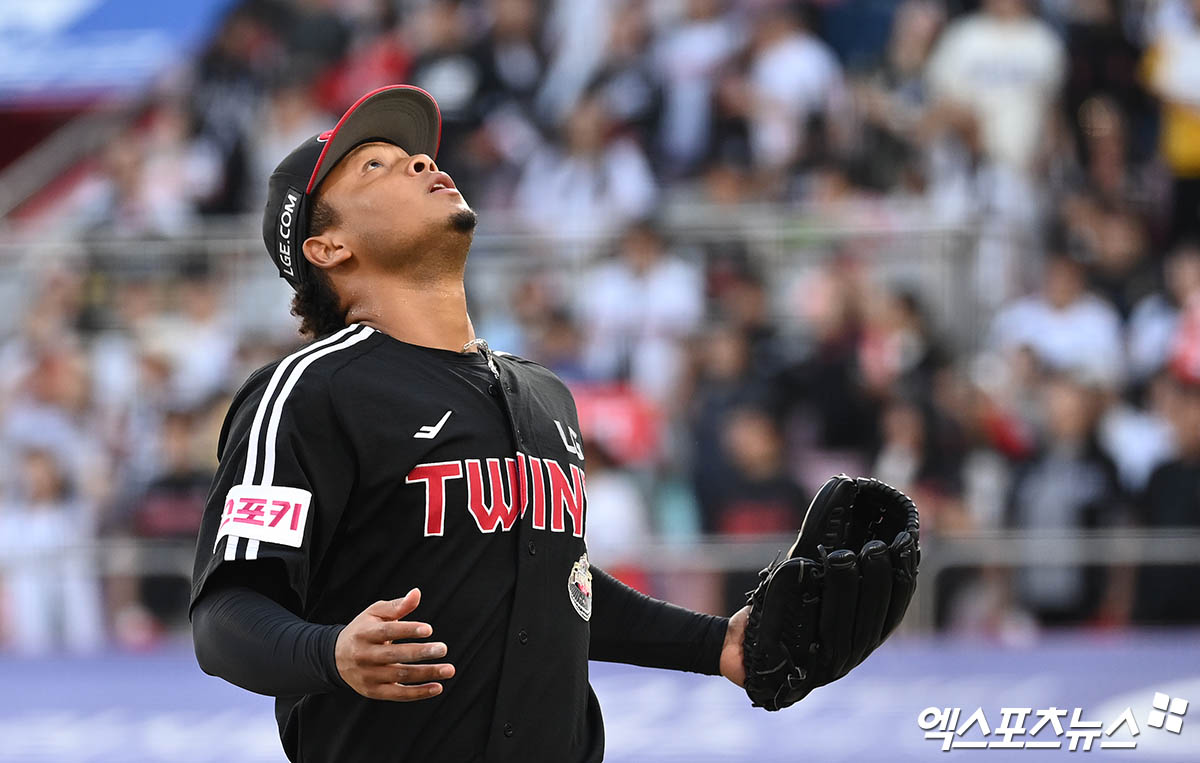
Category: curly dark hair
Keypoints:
(316, 304)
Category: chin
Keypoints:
(463, 220)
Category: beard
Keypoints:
(464, 221)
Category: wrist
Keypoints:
(330, 662)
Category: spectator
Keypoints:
(1106, 152)
(742, 299)
(170, 508)
(178, 165)
(892, 99)
(511, 57)
(628, 81)
(379, 55)
(445, 66)
(123, 202)
(827, 383)
(52, 413)
(756, 496)
(724, 381)
(578, 118)
(197, 341)
(916, 460)
(577, 34)
(50, 580)
(317, 29)
(638, 309)
(229, 80)
(597, 183)
(1155, 320)
(1103, 66)
(897, 350)
(1003, 69)
(1122, 273)
(1068, 328)
(1068, 484)
(512, 62)
(560, 347)
(290, 116)
(1169, 69)
(795, 82)
(689, 57)
(1138, 437)
(1171, 595)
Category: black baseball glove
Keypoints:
(841, 591)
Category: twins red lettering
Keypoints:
(524, 480)
(539, 493)
(579, 479)
(502, 512)
(434, 476)
(568, 496)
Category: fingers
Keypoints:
(395, 608)
(406, 683)
(395, 630)
(387, 654)
(403, 693)
(409, 674)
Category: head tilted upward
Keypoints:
(361, 214)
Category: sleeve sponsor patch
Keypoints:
(266, 513)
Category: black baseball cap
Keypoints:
(401, 114)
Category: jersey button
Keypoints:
(493, 390)
(508, 730)
(523, 637)
(532, 548)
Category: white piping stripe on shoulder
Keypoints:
(260, 414)
(293, 377)
(251, 548)
(231, 545)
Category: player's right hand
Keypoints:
(378, 669)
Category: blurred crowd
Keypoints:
(1063, 136)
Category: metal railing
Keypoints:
(783, 243)
(718, 555)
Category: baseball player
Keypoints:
(394, 543)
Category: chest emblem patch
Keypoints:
(579, 587)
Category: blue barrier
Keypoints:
(123, 708)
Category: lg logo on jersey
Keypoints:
(509, 488)
(574, 446)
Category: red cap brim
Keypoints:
(401, 114)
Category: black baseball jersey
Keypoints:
(367, 467)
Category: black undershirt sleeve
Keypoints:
(245, 635)
(629, 626)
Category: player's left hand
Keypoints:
(732, 665)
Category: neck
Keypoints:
(429, 314)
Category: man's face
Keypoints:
(389, 202)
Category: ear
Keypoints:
(325, 252)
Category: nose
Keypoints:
(419, 163)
